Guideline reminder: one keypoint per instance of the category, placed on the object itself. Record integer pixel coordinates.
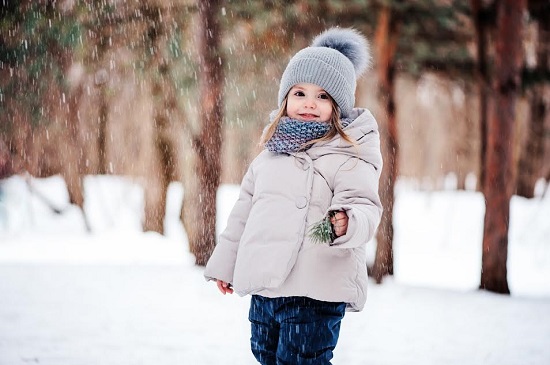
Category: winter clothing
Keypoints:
(301, 288)
(266, 249)
(294, 330)
(291, 135)
(335, 59)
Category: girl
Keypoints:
(295, 239)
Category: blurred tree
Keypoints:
(208, 143)
(483, 14)
(411, 37)
(151, 32)
(387, 34)
(536, 82)
(38, 41)
(6, 161)
(163, 27)
(498, 184)
(101, 22)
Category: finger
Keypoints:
(341, 229)
(227, 289)
(341, 223)
(341, 216)
(221, 286)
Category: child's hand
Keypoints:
(224, 287)
(339, 223)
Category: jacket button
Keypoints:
(301, 202)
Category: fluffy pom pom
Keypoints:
(350, 43)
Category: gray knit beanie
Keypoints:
(334, 61)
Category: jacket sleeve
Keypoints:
(356, 193)
(221, 264)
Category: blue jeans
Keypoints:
(294, 330)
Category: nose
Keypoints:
(310, 103)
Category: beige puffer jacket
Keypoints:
(266, 248)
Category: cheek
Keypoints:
(327, 110)
(290, 109)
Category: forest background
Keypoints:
(164, 91)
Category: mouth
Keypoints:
(308, 116)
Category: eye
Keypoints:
(324, 96)
(299, 93)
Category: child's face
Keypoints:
(308, 103)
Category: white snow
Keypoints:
(120, 296)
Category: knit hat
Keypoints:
(333, 61)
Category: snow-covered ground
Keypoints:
(120, 296)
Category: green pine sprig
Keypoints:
(322, 231)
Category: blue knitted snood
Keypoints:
(291, 135)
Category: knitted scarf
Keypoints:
(291, 134)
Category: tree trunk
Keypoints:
(462, 140)
(103, 167)
(155, 209)
(208, 144)
(531, 162)
(164, 97)
(482, 22)
(6, 161)
(101, 80)
(498, 184)
(532, 153)
(72, 169)
(386, 43)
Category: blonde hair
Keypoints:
(335, 126)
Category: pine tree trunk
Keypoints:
(386, 43)
(498, 184)
(482, 22)
(165, 105)
(101, 79)
(6, 161)
(155, 209)
(103, 167)
(73, 167)
(208, 144)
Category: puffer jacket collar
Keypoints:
(362, 125)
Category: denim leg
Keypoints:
(265, 330)
(309, 330)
